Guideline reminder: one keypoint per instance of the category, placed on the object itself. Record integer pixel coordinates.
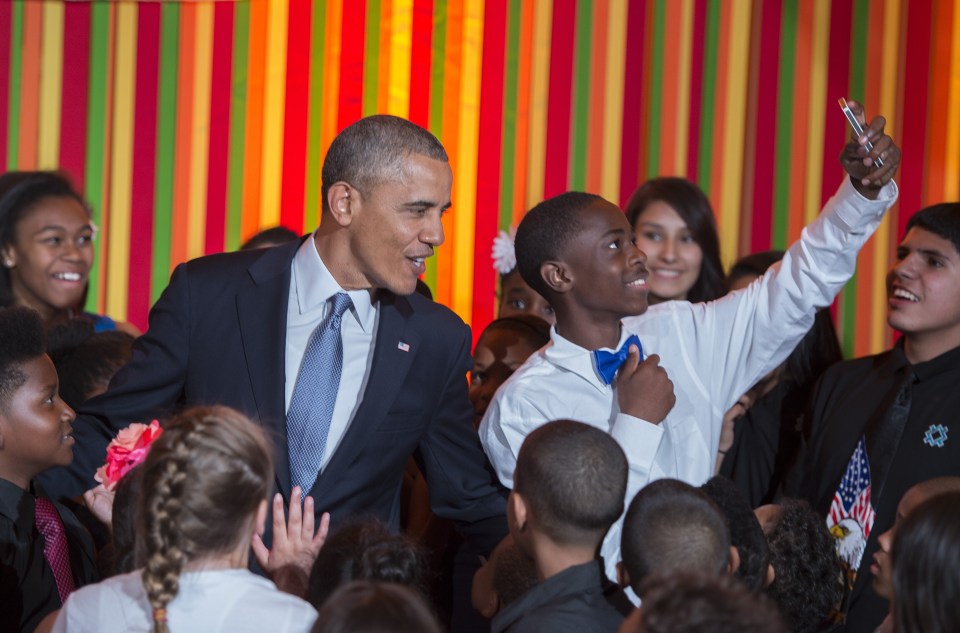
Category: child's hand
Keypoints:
(99, 501)
(295, 545)
(643, 389)
(859, 163)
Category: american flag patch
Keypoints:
(403, 347)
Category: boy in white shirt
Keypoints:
(578, 251)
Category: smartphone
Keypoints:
(857, 128)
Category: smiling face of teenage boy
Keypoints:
(602, 276)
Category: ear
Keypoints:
(8, 256)
(260, 522)
(623, 576)
(341, 198)
(733, 562)
(771, 575)
(518, 512)
(557, 276)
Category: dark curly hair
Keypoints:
(21, 340)
(365, 549)
(367, 606)
(745, 531)
(808, 581)
(86, 360)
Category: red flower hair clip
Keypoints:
(126, 451)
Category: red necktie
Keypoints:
(55, 548)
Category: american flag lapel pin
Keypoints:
(403, 347)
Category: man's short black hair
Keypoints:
(807, 583)
(573, 478)
(670, 525)
(940, 219)
(21, 340)
(373, 150)
(745, 531)
(544, 233)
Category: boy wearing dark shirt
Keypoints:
(881, 424)
(568, 490)
(44, 551)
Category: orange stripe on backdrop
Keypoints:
(202, 74)
(939, 95)
(598, 93)
(524, 90)
(401, 48)
(182, 172)
(51, 83)
(801, 119)
(451, 130)
(670, 94)
(383, 78)
(253, 135)
(331, 74)
(30, 85)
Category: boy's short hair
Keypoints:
(86, 360)
(672, 526)
(940, 219)
(691, 602)
(573, 478)
(544, 233)
(807, 583)
(21, 340)
(745, 532)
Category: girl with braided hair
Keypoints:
(204, 503)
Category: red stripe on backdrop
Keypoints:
(183, 170)
(696, 88)
(351, 62)
(560, 103)
(838, 73)
(6, 35)
(915, 108)
(488, 159)
(76, 77)
(144, 168)
(420, 53)
(632, 99)
(221, 90)
(293, 188)
(766, 129)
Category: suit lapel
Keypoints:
(262, 313)
(393, 354)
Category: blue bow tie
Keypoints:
(609, 362)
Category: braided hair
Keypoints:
(203, 482)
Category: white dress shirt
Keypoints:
(311, 288)
(713, 352)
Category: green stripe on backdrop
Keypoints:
(783, 150)
(656, 88)
(856, 83)
(708, 95)
(580, 119)
(16, 72)
(166, 144)
(315, 122)
(238, 124)
(508, 150)
(437, 77)
(94, 182)
(371, 58)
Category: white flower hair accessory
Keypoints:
(503, 253)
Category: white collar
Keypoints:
(315, 286)
(570, 356)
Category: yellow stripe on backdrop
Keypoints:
(539, 92)
(200, 139)
(118, 229)
(401, 45)
(683, 88)
(613, 103)
(51, 82)
(465, 185)
(274, 93)
(951, 189)
(818, 116)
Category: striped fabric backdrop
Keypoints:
(192, 125)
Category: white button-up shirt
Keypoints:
(713, 352)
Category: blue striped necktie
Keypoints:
(314, 396)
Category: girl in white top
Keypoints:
(205, 487)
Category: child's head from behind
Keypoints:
(672, 526)
(367, 606)
(577, 250)
(204, 491)
(504, 345)
(568, 486)
(807, 583)
(365, 549)
(746, 535)
(35, 423)
(86, 360)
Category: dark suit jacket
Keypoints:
(217, 336)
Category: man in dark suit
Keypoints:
(241, 329)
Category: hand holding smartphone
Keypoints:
(857, 128)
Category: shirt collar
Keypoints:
(15, 502)
(944, 362)
(315, 286)
(570, 356)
